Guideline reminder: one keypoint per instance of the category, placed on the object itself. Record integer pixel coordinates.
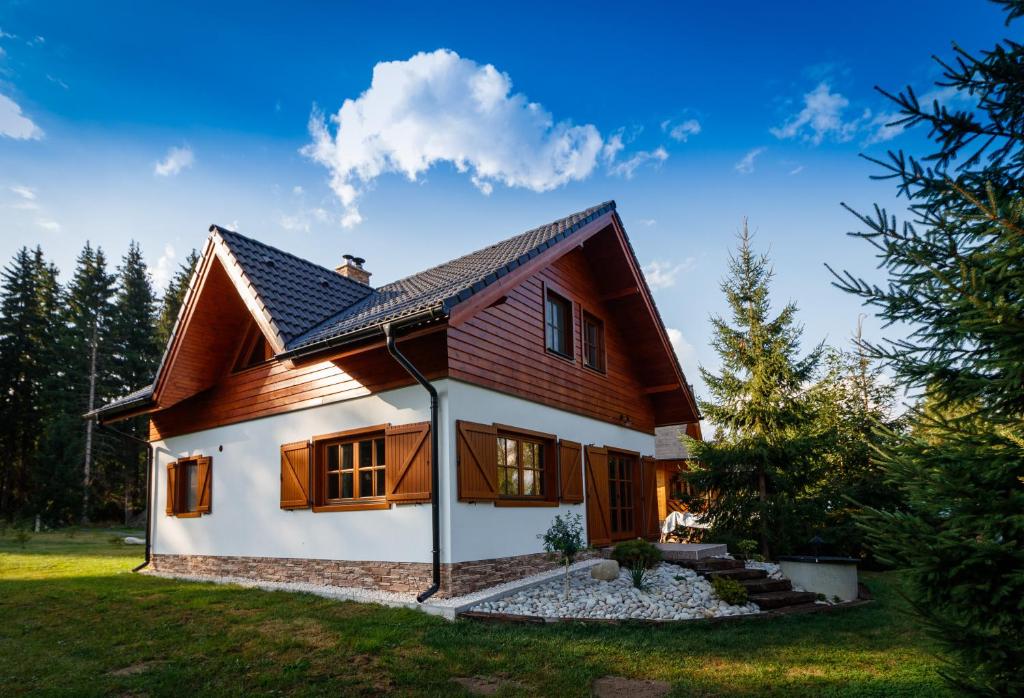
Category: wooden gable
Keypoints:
(501, 344)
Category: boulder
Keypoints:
(606, 570)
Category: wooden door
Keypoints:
(622, 495)
(598, 532)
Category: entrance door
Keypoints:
(621, 495)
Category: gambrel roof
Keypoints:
(305, 308)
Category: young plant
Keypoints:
(746, 548)
(565, 537)
(637, 556)
(730, 591)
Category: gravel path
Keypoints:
(672, 593)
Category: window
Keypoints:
(350, 468)
(189, 486)
(558, 324)
(520, 467)
(593, 342)
(621, 470)
(255, 350)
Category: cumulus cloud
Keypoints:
(439, 107)
(746, 163)
(164, 268)
(681, 131)
(627, 168)
(14, 124)
(176, 160)
(48, 224)
(27, 193)
(662, 273)
(822, 117)
(882, 128)
(685, 351)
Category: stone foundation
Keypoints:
(399, 577)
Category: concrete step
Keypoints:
(761, 586)
(778, 599)
(739, 574)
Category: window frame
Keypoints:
(547, 472)
(253, 337)
(550, 291)
(181, 509)
(602, 344)
(320, 444)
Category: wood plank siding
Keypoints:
(502, 347)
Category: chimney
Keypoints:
(352, 268)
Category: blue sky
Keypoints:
(120, 123)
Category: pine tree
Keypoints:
(134, 357)
(22, 371)
(89, 315)
(955, 278)
(173, 298)
(759, 461)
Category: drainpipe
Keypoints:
(435, 508)
(149, 486)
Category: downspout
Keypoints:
(149, 487)
(435, 507)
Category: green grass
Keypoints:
(74, 620)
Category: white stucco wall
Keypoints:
(246, 518)
(482, 530)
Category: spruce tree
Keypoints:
(22, 325)
(759, 461)
(89, 315)
(173, 297)
(954, 277)
(134, 354)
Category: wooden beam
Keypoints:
(667, 387)
(621, 293)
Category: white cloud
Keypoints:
(685, 351)
(612, 147)
(14, 124)
(821, 117)
(663, 273)
(746, 163)
(883, 129)
(164, 268)
(681, 131)
(647, 221)
(27, 193)
(177, 159)
(797, 170)
(48, 224)
(438, 107)
(627, 168)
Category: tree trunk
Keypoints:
(762, 493)
(87, 469)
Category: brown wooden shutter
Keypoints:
(204, 475)
(477, 452)
(651, 525)
(172, 487)
(598, 510)
(570, 471)
(407, 453)
(295, 475)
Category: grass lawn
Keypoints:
(74, 620)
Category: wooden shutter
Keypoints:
(407, 453)
(172, 487)
(295, 475)
(204, 476)
(598, 511)
(570, 471)
(477, 465)
(651, 524)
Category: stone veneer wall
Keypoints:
(398, 577)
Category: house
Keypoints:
(298, 412)
(672, 458)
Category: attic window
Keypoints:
(558, 324)
(255, 350)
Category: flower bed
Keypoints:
(671, 593)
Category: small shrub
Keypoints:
(636, 553)
(746, 547)
(22, 537)
(729, 590)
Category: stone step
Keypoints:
(779, 599)
(709, 564)
(739, 573)
(761, 586)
